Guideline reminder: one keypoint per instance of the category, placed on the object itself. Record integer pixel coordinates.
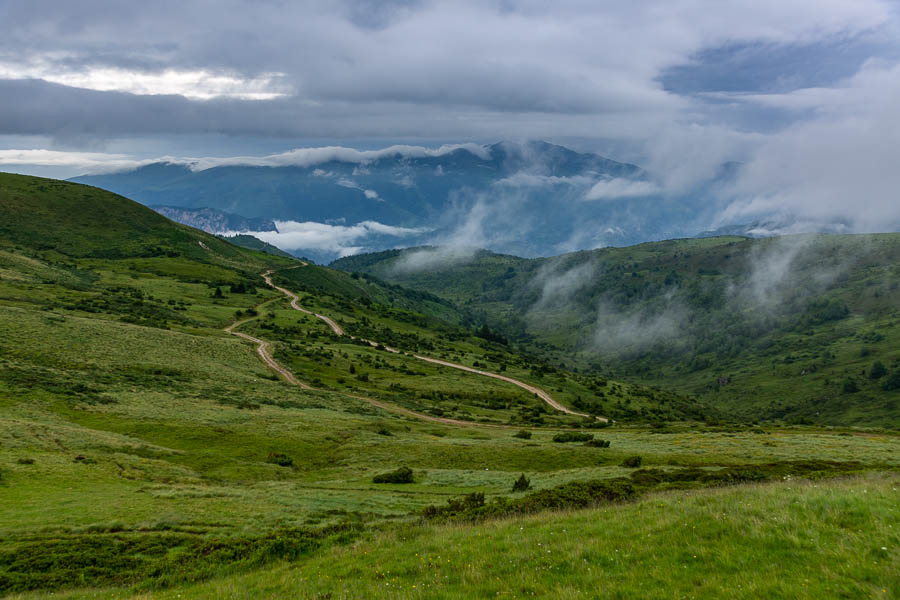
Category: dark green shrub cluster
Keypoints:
(25, 461)
(632, 462)
(521, 484)
(401, 475)
(878, 370)
(577, 494)
(155, 559)
(524, 434)
(572, 436)
(582, 494)
(597, 443)
(694, 477)
(282, 460)
(892, 382)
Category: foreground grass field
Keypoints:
(792, 539)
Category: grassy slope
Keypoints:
(792, 540)
(254, 243)
(746, 325)
(131, 424)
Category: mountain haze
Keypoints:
(531, 198)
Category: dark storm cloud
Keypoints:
(463, 57)
(678, 86)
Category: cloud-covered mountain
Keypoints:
(214, 221)
(531, 198)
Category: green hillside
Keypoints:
(254, 243)
(79, 221)
(803, 328)
(145, 447)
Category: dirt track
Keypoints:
(263, 348)
(295, 304)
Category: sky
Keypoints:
(804, 93)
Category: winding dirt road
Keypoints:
(264, 349)
(295, 304)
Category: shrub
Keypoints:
(632, 462)
(282, 460)
(878, 370)
(892, 382)
(572, 436)
(401, 475)
(521, 484)
(384, 431)
(25, 461)
(84, 460)
(849, 386)
(597, 443)
(576, 494)
(523, 434)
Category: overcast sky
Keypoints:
(805, 92)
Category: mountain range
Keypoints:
(530, 199)
(214, 221)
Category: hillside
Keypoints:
(790, 328)
(170, 420)
(78, 221)
(254, 243)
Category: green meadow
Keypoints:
(144, 451)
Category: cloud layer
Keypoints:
(342, 240)
(801, 92)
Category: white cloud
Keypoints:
(343, 240)
(371, 194)
(307, 157)
(99, 162)
(609, 189)
(525, 180)
(840, 165)
(96, 162)
(196, 84)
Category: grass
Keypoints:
(756, 330)
(796, 539)
(141, 445)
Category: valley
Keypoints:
(174, 423)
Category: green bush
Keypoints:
(632, 462)
(849, 386)
(597, 443)
(401, 475)
(523, 434)
(577, 494)
(282, 460)
(878, 370)
(892, 382)
(572, 436)
(148, 560)
(521, 484)
(25, 461)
